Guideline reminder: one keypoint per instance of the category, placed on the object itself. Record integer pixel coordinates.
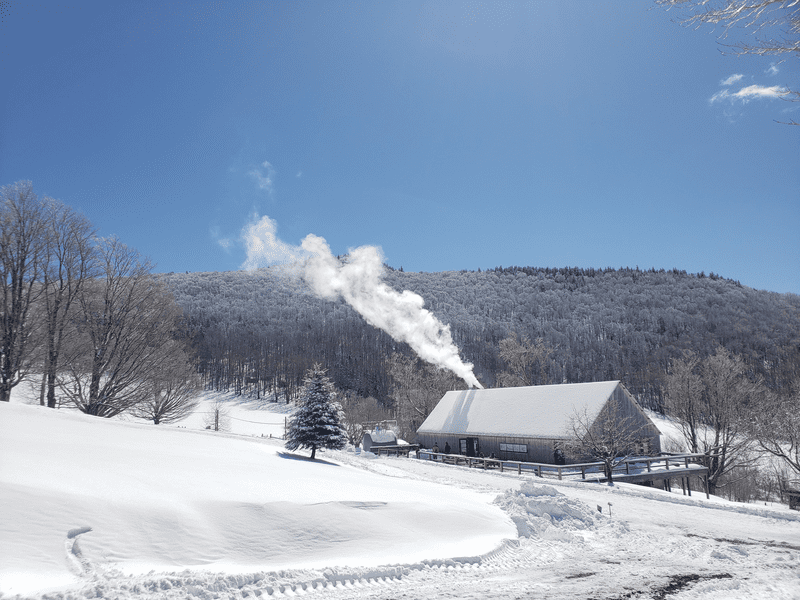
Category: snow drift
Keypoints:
(140, 497)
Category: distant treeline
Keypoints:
(259, 332)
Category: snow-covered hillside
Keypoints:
(182, 512)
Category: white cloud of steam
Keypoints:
(358, 280)
(264, 180)
(264, 248)
(732, 79)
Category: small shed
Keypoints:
(378, 437)
(531, 424)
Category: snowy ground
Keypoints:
(182, 512)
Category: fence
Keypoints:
(398, 450)
(591, 471)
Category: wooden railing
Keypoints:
(398, 450)
(586, 470)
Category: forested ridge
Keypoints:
(260, 331)
(86, 321)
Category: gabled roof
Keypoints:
(542, 411)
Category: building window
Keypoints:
(518, 448)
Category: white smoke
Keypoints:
(265, 249)
(358, 279)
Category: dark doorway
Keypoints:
(469, 446)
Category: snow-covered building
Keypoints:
(378, 437)
(533, 423)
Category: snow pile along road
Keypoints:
(543, 512)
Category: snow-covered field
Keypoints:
(182, 512)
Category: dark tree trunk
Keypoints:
(51, 390)
(52, 364)
(5, 380)
(607, 466)
(94, 386)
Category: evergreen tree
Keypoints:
(316, 423)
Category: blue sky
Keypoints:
(455, 135)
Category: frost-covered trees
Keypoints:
(526, 361)
(416, 389)
(610, 437)
(776, 425)
(713, 400)
(357, 412)
(255, 332)
(777, 429)
(317, 423)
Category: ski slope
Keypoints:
(120, 509)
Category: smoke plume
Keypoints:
(358, 280)
(265, 249)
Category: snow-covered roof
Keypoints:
(537, 411)
(382, 436)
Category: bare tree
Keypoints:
(358, 411)
(416, 389)
(126, 320)
(776, 424)
(22, 252)
(777, 428)
(609, 437)
(754, 16)
(68, 264)
(684, 398)
(218, 418)
(174, 388)
(713, 399)
(526, 361)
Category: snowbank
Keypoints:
(542, 511)
(166, 499)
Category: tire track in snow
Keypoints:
(328, 583)
(76, 561)
(607, 562)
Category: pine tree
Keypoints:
(316, 423)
